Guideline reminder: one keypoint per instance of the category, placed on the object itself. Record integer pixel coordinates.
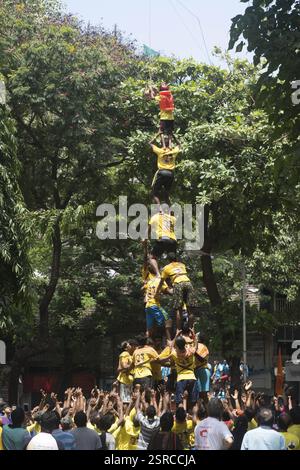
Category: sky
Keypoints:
(167, 26)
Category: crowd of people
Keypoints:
(167, 396)
(151, 413)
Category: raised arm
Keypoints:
(154, 139)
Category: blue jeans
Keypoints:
(203, 376)
(191, 386)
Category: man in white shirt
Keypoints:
(263, 437)
(212, 433)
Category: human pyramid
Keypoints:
(182, 365)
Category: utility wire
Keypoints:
(200, 27)
(184, 23)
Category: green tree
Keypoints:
(270, 29)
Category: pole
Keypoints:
(244, 322)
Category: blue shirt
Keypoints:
(263, 438)
(66, 438)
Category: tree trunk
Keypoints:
(54, 277)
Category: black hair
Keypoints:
(17, 417)
(185, 327)
(132, 342)
(141, 340)
(105, 422)
(284, 421)
(167, 421)
(50, 421)
(249, 413)
(80, 419)
(265, 417)
(150, 412)
(215, 408)
(50, 402)
(202, 411)
(226, 416)
(150, 342)
(180, 343)
(172, 257)
(180, 414)
(124, 346)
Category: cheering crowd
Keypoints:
(147, 409)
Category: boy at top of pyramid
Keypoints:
(165, 99)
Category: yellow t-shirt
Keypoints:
(166, 353)
(1, 445)
(165, 115)
(291, 441)
(151, 297)
(127, 435)
(166, 158)
(203, 352)
(185, 432)
(185, 365)
(163, 226)
(252, 425)
(295, 429)
(34, 427)
(125, 377)
(141, 360)
(176, 272)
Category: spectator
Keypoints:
(63, 433)
(149, 424)
(15, 436)
(183, 427)
(284, 422)
(295, 426)
(263, 437)
(6, 415)
(239, 431)
(212, 433)
(42, 441)
(165, 439)
(85, 439)
(104, 424)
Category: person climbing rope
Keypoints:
(175, 274)
(165, 100)
(164, 177)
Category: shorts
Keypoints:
(203, 377)
(191, 386)
(162, 179)
(166, 126)
(167, 245)
(125, 392)
(183, 293)
(156, 315)
(144, 382)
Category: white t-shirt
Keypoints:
(210, 434)
(263, 438)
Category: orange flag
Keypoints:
(279, 376)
